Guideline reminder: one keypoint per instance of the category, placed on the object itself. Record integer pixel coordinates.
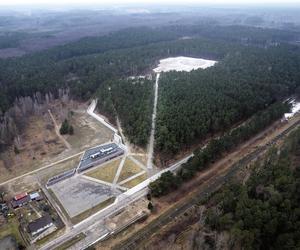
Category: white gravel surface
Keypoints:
(183, 64)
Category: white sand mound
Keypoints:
(183, 64)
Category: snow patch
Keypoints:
(295, 109)
(183, 63)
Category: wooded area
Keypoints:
(264, 213)
(201, 103)
(214, 150)
(85, 68)
(130, 100)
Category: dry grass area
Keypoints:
(88, 131)
(11, 228)
(132, 183)
(142, 158)
(37, 144)
(105, 172)
(130, 168)
(58, 168)
(25, 184)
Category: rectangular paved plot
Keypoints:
(77, 194)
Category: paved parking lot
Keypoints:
(78, 194)
(87, 162)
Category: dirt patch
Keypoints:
(87, 131)
(142, 158)
(21, 185)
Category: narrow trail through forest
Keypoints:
(151, 141)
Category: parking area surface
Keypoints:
(105, 152)
(78, 194)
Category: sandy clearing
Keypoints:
(183, 63)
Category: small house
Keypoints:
(40, 225)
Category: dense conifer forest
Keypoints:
(130, 100)
(264, 213)
(204, 102)
(250, 62)
(214, 150)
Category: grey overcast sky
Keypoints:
(106, 2)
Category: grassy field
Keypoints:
(59, 204)
(132, 183)
(129, 169)
(87, 131)
(106, 172)
(12, 228)
(71, 242)
(56, 169)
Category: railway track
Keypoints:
(145, 233)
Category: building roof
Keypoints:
(20, 196)
(40, 223)
(34, 195)
(20, 202)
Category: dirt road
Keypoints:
(57, 131)
(151, 141)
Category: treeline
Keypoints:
(85, 64)
(246, 35)
(216, 148)
(55, 68)
(194, 105)
(264, 213)
(130, 100)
